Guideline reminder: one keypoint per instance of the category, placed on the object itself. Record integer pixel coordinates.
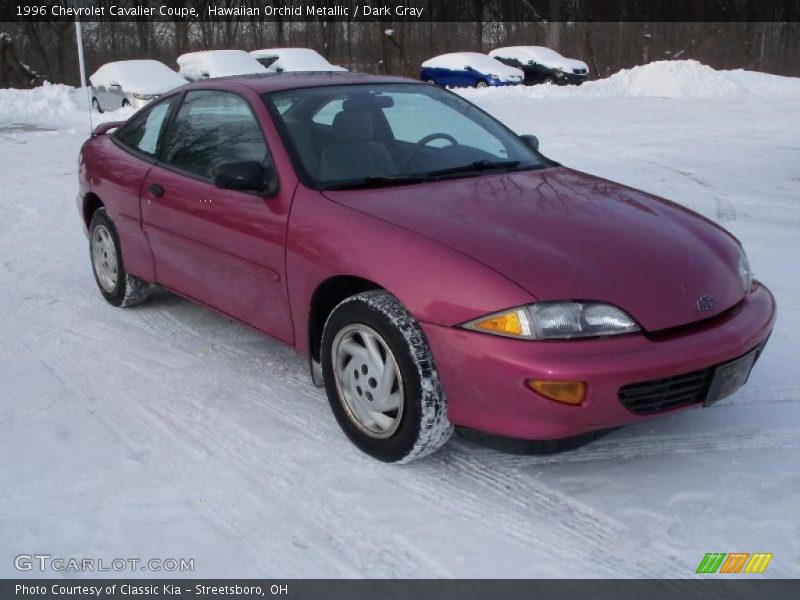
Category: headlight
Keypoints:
(557, 321)
(745, 274)
(145, 96)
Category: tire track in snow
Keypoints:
(655, 446)
(531, 513)
(362, 539)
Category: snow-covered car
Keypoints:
(543, 65)
(468, 69)
(217, 63)
(131, 83)
(288, 60)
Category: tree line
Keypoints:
(33, 51)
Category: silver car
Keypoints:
(131, 83)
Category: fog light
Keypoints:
(566, 392)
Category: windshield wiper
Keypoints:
(377, 181)
(478, 165)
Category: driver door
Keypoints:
(222, 248)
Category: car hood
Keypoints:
(565, 235)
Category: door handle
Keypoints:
(156, 190)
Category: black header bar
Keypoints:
(403, 10)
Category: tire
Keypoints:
(549, 79)
(481, 84)
(418, 425)
(117, 287)
(96, 105)
(125, 103)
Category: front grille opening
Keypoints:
(659, 395)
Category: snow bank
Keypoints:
(44, 105)
(51, 105)
(664, 79)
(63, 106)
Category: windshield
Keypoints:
(358, 135)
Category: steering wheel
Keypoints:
(424, 142)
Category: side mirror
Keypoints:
(246, 176)
(531, 141)
(115, 85)
(468, 68)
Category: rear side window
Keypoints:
(144, 131)
(211, 128)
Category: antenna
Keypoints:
(82, 67)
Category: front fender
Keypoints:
(435, 283)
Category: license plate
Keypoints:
(730, 377)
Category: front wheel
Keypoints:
(96, 105)
(381, 381)
(117, 287)
(126, 103)
(481, 84)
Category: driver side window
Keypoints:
(405, 119)
(213, 127)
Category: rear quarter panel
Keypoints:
(115, 177)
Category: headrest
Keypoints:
(352, 125)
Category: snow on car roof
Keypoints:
(296, 59)
(142, 76)
(476, 60)
(221, 63)
(541, 55)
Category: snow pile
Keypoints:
(44, 105)
(52, 106)
(664, 79)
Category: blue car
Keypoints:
(469, 69)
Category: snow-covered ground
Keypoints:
(169, 431)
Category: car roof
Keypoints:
(275, 82)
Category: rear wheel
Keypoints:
(380, 379)
(125, 103)
(549, 79)
(117, 287)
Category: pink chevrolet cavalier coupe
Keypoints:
(436, 269)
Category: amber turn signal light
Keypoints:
(566, 392)
(513, 323)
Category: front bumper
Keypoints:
(484, 376)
